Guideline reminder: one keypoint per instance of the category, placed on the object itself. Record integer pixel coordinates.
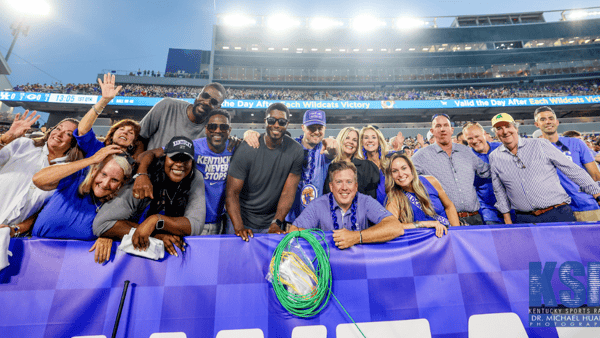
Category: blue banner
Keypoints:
(54, 289)
(304, 105)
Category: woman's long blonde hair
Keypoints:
(340, 140)
(86, 186)
(383, 146)
(396, 195)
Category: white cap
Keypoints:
(537, 134)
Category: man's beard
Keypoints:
(200, 116)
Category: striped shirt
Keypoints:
(456, 173)
(528, 181)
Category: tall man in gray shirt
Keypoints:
(455, 166)
(262, 183)
(171, 117)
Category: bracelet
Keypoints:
(360, 233)
(418, 224)
(139, 174)
(97, 112)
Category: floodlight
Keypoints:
(577, 15)
(408, 23)
(411, 49)
(324, 23)
(271, 48)
(238, 20)
(367, 23)
(342, 50)
(282, 22)
(285, 48)
(328, 50)
(225, 47)
(314, 49)
(468, 47)
(356, 50)
(370, 50)
(35, 7)
(384, 49)
(254, 48)
(238, 48)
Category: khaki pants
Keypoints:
(587, 216)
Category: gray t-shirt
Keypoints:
(264, 172)
(126, 207)
(168, 118)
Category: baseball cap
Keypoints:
(180, 145)
(314, 116)
(537, 134)
(502, 117)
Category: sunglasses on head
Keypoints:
(206, 96)
(436, 115)
(213, 127)
(271, 121)
(180, 158)
(129, 158)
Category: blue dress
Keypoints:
(438, 207)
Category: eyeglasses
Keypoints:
(213, 102)
(518, 161)
(213, 127)
(436, 115)
(271, 121)
(399, 152)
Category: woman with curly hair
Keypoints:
(374, 148)
(418, 201)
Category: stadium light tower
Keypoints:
(26, 8)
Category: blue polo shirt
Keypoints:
(576, 150)
(485, 190)
(318, 214)
(309, 190)
(214, 168)
(67, 215)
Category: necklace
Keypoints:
(353, 207)
(309, 170)
(98, 206)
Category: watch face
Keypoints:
(160, 224)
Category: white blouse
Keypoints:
(19, 197)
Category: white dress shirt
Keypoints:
(19, 161)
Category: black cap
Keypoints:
(180, 145)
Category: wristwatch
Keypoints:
(278, 222)
(160, 224)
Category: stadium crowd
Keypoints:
(179, 173)
(579, 88)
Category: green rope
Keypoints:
(308, 305)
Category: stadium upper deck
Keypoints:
(481, 49)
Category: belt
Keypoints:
(538, 212)
(467, 214)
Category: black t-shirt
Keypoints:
(264, 172)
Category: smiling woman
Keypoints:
(21, 158)
(81, 188)
(172, 208)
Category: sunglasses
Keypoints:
(271, 121)
(129, 158)
(213, 102)
(180, 158)
(436, 115)
(212, 127)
